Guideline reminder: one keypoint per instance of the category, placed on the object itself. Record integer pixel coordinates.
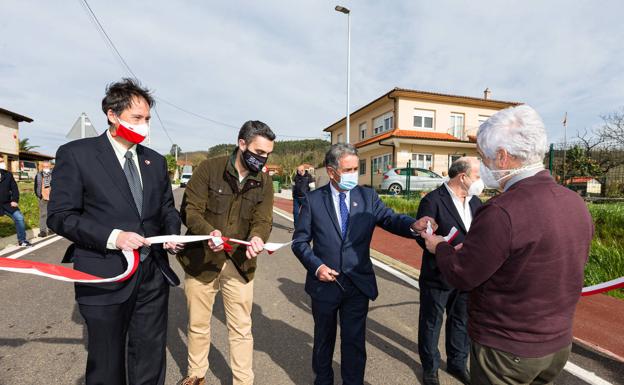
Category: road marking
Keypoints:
(35, 247)
(585, 375)
(575, 370)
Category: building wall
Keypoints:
(379, 109)
(9, 139)
(442, 116)
(367, 155)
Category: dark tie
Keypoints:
(344, 215)
(134, 181)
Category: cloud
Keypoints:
(284, 62)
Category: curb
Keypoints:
(12, 239)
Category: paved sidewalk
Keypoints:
(599, 319)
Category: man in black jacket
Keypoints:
(451, 205)
(301, 187)
(108, 193)
(43, 181)
(9, 199)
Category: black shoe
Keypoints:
(431, 378)
(42, 234)
(461, 374)
(25, 244)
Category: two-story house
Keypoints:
(430, 129)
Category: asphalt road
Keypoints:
(42, 336)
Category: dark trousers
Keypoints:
(433, 303)
(297, 203)
(142, 319)
(495, 367)
(352, 308)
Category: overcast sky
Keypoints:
(284, 62)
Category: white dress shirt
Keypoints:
(462, 208)
(120, 152)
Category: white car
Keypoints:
(185, 178)
(395, 180)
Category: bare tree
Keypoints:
(612, 129)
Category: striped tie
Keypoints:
(134, 181)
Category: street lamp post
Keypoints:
(347, 12)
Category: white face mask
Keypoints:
(2, 166)
(491, 181)
(46, 170)
(476, 188)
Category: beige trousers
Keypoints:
(238, 301)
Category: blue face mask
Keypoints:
(348, 181)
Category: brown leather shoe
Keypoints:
(192, 381)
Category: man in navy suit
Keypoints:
(453, 204)
(339, 219)
(109, 193)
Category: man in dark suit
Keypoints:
(451, 205)
(9, 199)
(340, 276)
(108, 193)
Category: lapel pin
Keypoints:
(220, 190)
(147, 162)
(354, 204)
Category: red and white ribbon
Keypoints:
(603, 287)
(66, 274)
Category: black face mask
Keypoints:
(254, 162)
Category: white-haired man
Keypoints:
(522, 260)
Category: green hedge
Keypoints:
(606, 257)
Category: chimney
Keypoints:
(487, 93)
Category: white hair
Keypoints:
(518, 130)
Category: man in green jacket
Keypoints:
(228, 196)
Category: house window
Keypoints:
(363, 129)
(422, 160)
(453, 158)
(340, 140)
(382, 163)
(383, 123)
(362, 166)
(457, 125)
(482, 119)
(423, 119)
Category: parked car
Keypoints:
(185, 178)
(395, 180)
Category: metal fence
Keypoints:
(592, 171)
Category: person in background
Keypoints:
(453, 204)
(42, 191)
(301, 186)
(9, 203)
(227, 196)
(340, 277)
(523, 259)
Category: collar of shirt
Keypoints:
(120, 151)
(521, 175)
(463, 209)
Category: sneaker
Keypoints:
(461, 374)
(431, 378)
(42, 234)
(25, 244)
(192, 381)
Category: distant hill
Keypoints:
(288, 153)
